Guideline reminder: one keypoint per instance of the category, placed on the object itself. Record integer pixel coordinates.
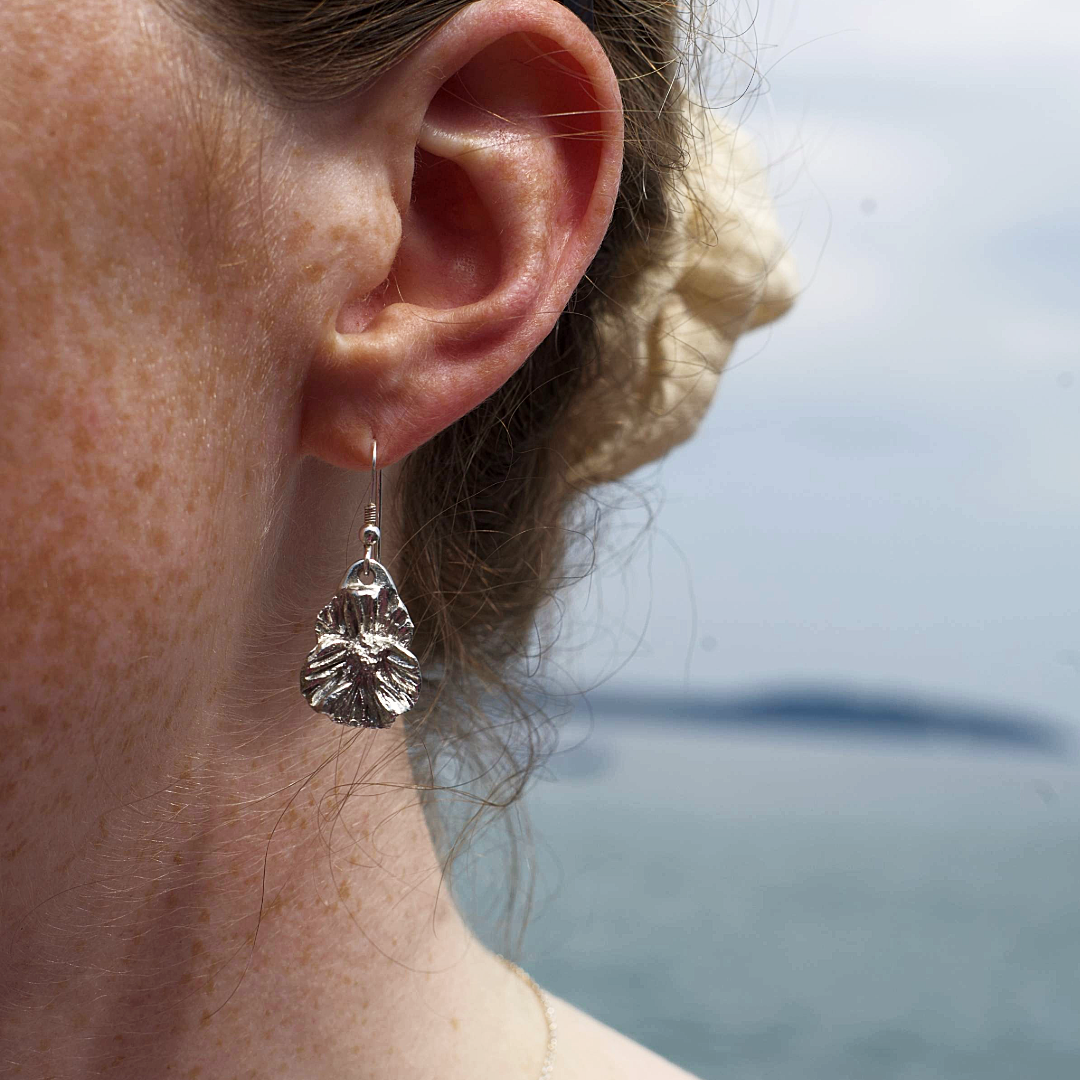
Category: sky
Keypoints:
(886, 492)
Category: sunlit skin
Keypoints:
(207, 308)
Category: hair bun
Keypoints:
(721, 267)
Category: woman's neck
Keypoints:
(207, 879)
(277, 913)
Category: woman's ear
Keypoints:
(499, 143)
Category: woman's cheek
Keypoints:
(122, 377)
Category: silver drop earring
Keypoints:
(361, 671)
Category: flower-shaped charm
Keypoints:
(361, 671)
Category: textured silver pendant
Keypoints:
(361, 671)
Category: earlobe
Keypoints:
(515, 159)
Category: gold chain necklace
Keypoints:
(549, 1016)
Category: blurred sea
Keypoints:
(764, 903)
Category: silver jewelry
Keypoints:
(549, 1017)
(361, 671)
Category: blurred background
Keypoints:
(819, 815)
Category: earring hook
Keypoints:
(371, 533)
(376, 482)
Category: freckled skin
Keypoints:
(184, 889)
(185, 893)
(156, 295)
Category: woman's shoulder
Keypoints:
(590, 1050)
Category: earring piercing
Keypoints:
(361, 671)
